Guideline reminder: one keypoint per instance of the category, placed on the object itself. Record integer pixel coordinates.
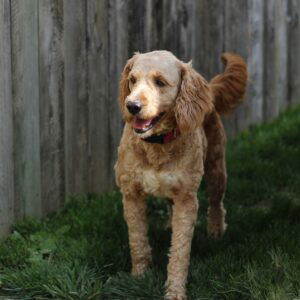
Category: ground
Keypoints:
(82, 252)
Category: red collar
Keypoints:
(163, 138)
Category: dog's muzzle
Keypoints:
(142, 126)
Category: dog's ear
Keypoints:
(194, 100)
(124, 82)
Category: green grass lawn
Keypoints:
(82, 252)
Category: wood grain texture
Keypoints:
(153, 25)
(98, 87)
(76, 96)
(135, 23)
(209, 44)
(25, 74)
(187, 31)
(6, 121)
(118, 55)
(294, 52)
(170, 26)
(209, 37)
(236, 39)
(51, 84)
(255, 61)
(275, 58)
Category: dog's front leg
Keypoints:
(135, 213)
(184, 217)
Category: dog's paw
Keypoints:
(139, 269)
(216, 225)
(216, 228)
(175, 296)
(175, 291)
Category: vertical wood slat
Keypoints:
(135, 24)
(275, 58)
(76, 96)
(294, 52)
(187, 30)
(209, 37)
(51, 84)
(118, 54)
(25, 76)
(255, 61)
(153, 28)
(150, 32)
(98, 87)
(6, 128)
(236, 39)
(170, 33)
(282, 44)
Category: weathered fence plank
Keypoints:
(255, 61)
(294, 52)
(25, 74)
(170, 25)
(135, 23)
(153, 25)
(236, 40)
(187, 30)
(51, 84)
(98, 87)
(76, 96)
(209, 37)
(6, 128)
(118, 55)
(275, 58)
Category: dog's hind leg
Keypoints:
(215, 175)
(135, 213)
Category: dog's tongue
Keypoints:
(140, 123)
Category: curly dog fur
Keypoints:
(165, 97)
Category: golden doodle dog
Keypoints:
(173, 136)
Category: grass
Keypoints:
(82, 252)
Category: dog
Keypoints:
(173, 136)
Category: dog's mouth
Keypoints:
(142, 126)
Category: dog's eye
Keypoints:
(132, 80)
(159, 83)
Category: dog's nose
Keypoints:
(134, 107)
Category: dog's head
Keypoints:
(158, 93)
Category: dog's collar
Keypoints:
(163, 138)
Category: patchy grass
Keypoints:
(82, 252)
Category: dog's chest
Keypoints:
(161, 183)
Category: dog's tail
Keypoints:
(229, 87)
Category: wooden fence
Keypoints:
(60, 63)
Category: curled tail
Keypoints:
(229, 87)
